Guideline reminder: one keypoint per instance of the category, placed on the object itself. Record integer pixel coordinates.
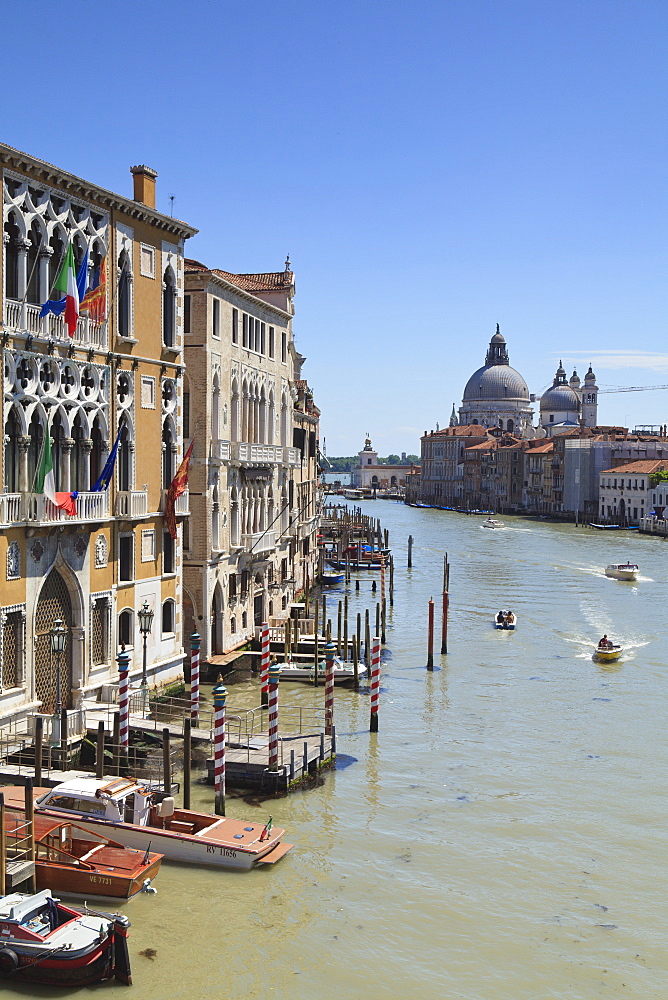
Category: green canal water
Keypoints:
(503, 837)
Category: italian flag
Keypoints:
(46, 482)
(66, 284)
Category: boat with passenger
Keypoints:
(131, 812)
(44, 941)
(491, 522)
(607, 651)
(622, 571)
(505, 620)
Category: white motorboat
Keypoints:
(505, 620)
(491, 522)
(343, 672)
(622, 571)
(125, 810)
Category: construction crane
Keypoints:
(633, 388)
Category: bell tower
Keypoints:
(589, 394)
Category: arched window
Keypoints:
(215, 521)
(124, 460)
(32, 275)
(244, 619)
(234, 415)
(96, 452)
(234, 518)
(168, 308)
(168, 617)
(125, 629)
(124, 296)
(510, 426)
(167, 454)
(57, 245)
(57, 450)
(12, 236)
(79, 458)
(215, 409)
(12, 434)
(233, 624)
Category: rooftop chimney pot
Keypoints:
(144, 184)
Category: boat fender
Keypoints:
(9, 961)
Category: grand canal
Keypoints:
(503, 837)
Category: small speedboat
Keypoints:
(622, 571)
(128, 811)
(43, 941)
(608, 653)
(491, 522)
(508, 622)
(343, 672)
(329, 577)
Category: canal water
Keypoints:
(503, 836)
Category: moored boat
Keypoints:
(329, 577)
(127, 811)
(72, 861)
(343, 672)
(44, 941)
(622, 571)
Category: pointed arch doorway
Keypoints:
(54, 602)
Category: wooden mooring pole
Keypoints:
(356, 662)
(166, 762)
(375, 685)
(430, 637)
(219, 699)
(3, 847)
(410, 551)
(187, 761)
(29, 830)
(39, 735)
(99, 751)
(446, 600)
(116, 745)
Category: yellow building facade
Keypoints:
(120, 379)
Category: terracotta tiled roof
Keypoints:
(267, 282)
(542, 449)
(463, 430)
(637, 468)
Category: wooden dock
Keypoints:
(299, 755)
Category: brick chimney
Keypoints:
(144, 182)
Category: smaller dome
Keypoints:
(560, 399)
(590, 377)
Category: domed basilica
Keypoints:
(497, 396)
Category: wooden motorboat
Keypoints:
(343, 672)
(330, 577)
(622, 571)
(71, 861)
(127, 811)
(44, 941)
(491, 522)
(508, 623)
(608, 653)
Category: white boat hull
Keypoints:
(622, 572)
(177, 846)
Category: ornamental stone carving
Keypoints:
(14, 561)
(100, 552)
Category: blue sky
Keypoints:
(432, 169)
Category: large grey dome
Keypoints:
(560, 399)
(496, 381)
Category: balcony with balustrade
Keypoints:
(181, 504)
(259, 542)
(23, 317)
(132, 504)
(90, 507)
(247, 453)
(220, 451)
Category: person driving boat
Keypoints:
(605, 643)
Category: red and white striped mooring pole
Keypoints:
(330, 650)
(264, 670)
(194, 677)
(123, 660)
(375, 684)
(274, 674)
(219, 701)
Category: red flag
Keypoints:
(177, 487)
(95, 300)
(66, 502)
